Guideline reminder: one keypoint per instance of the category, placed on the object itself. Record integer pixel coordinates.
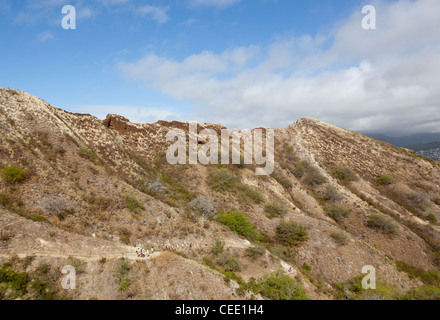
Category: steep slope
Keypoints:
(109, 181)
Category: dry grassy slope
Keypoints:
(47, 141)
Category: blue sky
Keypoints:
(243, 63)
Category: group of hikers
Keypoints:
(141, 252)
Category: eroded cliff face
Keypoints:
(108, 180)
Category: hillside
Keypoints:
(78, 190)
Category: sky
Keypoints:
(241, 63)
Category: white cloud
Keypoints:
(215, 3)
(157, 13)
(385, 79)
(45, 36)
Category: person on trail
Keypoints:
(152, 250)
(138, 252)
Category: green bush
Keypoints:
(301, 168)
(13, 174)
(428, 277)
(353, 290)
(314, 178)
(340, 238)
(380, 222)
(223, 180)
(254, 253)
(286, 183)
(345, 174)
(228, 263)
(251, 192)
(384, 180)
(218, 247)
(291, 233)
(240, 223)
(275, 209)
(79, 265)
(89, 154)
(336, 212)
(133, 204)
(5, 200)
(431, 218)
(279, 286)
(331, 194)
(121, 275)
(424, 293)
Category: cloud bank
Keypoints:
(383, 80)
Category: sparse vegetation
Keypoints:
(222, 180)
(336, 212)
(345, 174)
(89, 154)
(291, 233)
(384, 180)
(340, 237)
(254, 252)
(382, 223)
(13, 174)
(133, 204)
(353, 290)
(314, 178)
(275, 209)
(79, 265)
(203, 207)
(121, 275)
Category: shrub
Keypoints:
(424, 293)
(418, 199)
(125, 235)
(79, 265)
(336, 212)
(240, 223)
(254, 253)
(218, 247)
(286, 183)
(306, 267)
(5, 200)
(222, 180)
(275, 209)
(279, 286)
(58, 205)
(431, 218)
(314, 178)
(353, 290)
(345, 174)
(384, 180)
(228, 263)
(301, 168)
(428, 277)
(291, 233)
(203, 207)
(133, 204)
(121, 275)
(13, 174)
(89, 154)
(340, 238)
(380, 222)
(251, 192)
(331, 194)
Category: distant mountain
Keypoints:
(406, 141)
